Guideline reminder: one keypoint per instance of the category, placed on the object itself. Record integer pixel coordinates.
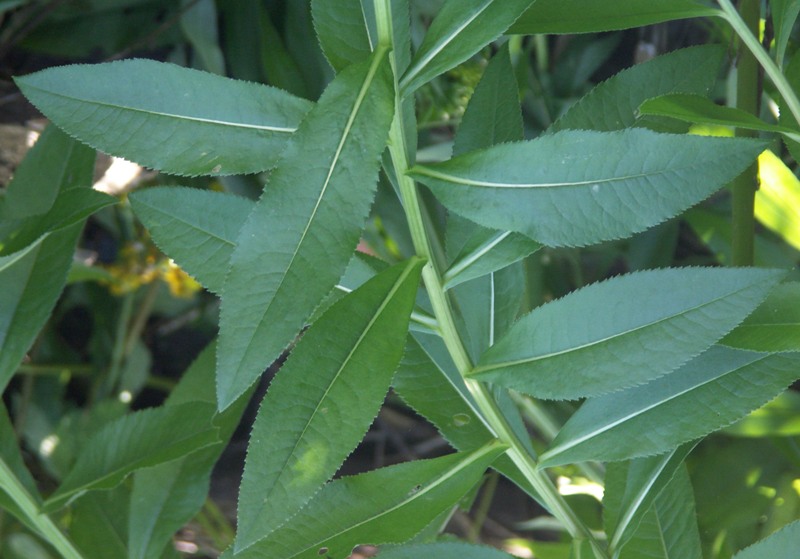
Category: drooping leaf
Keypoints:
(669, 528)
(389, 505)
(297, 241)
(632, 487)
(613, 104)
(710, 392)
(196, 228)
(30, 282)
(701, 110)
(177, 120)
(460, 29)
(343, 31)
(443, 550)
(139, 440)
(305, 430)
(647, 324)
(780, 545)
(574, 188)
(774, 325)
(585, 16)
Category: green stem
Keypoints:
(398, 150)
(745, 185)
(482, 510)
(27, 506)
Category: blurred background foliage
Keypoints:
(130, 321)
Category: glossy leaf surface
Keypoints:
(305, 430)
(196, 228)
(584, 16)
(614, 103)
(710, 392)
(139, 440)
(646, 325)
(389, 505)
(460, 29)
(574, 188)
(774, 325)
(173, 119)
(296, 243)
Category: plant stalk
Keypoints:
(744, 187)
(398, 150)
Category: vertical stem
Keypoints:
(398, 150)
(744, 187)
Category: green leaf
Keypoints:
(99, 524)
(487, 251)
(15, 479)
(142, 439)
(298, 240)
(304, 431)
(701, 110)
(780, 545)
(72, 206)
(632, 487)
(461, 28)
(343, 31)
(614, 104)
(199, 24)
(585, 16)
(448, 550)
(389, 505)
(669, 529)
(196, 228)
(177, 120)
(580, 187)
(710, 392)
(774, 325)
(55, 163)
(784, 15)
(30, 283)
(648, 323)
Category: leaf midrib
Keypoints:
(640, 411)
(375, 316)
(494, 366)
(201, 120)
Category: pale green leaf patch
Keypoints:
(780, 545)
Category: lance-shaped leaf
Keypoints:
(669, 528)
(632, 487)
(461, 28)
(644, 325)
(196, 228)
(701, 110)
(298, 240)
(780, 545)
(139, 440)
(324, 399)
(784, 15)
(177, 120)
(774, 325)
(613, 104)
(574, 188)
(710, 392)
(487, 251)
(585, 16)
(443, 550)
(389, 505)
